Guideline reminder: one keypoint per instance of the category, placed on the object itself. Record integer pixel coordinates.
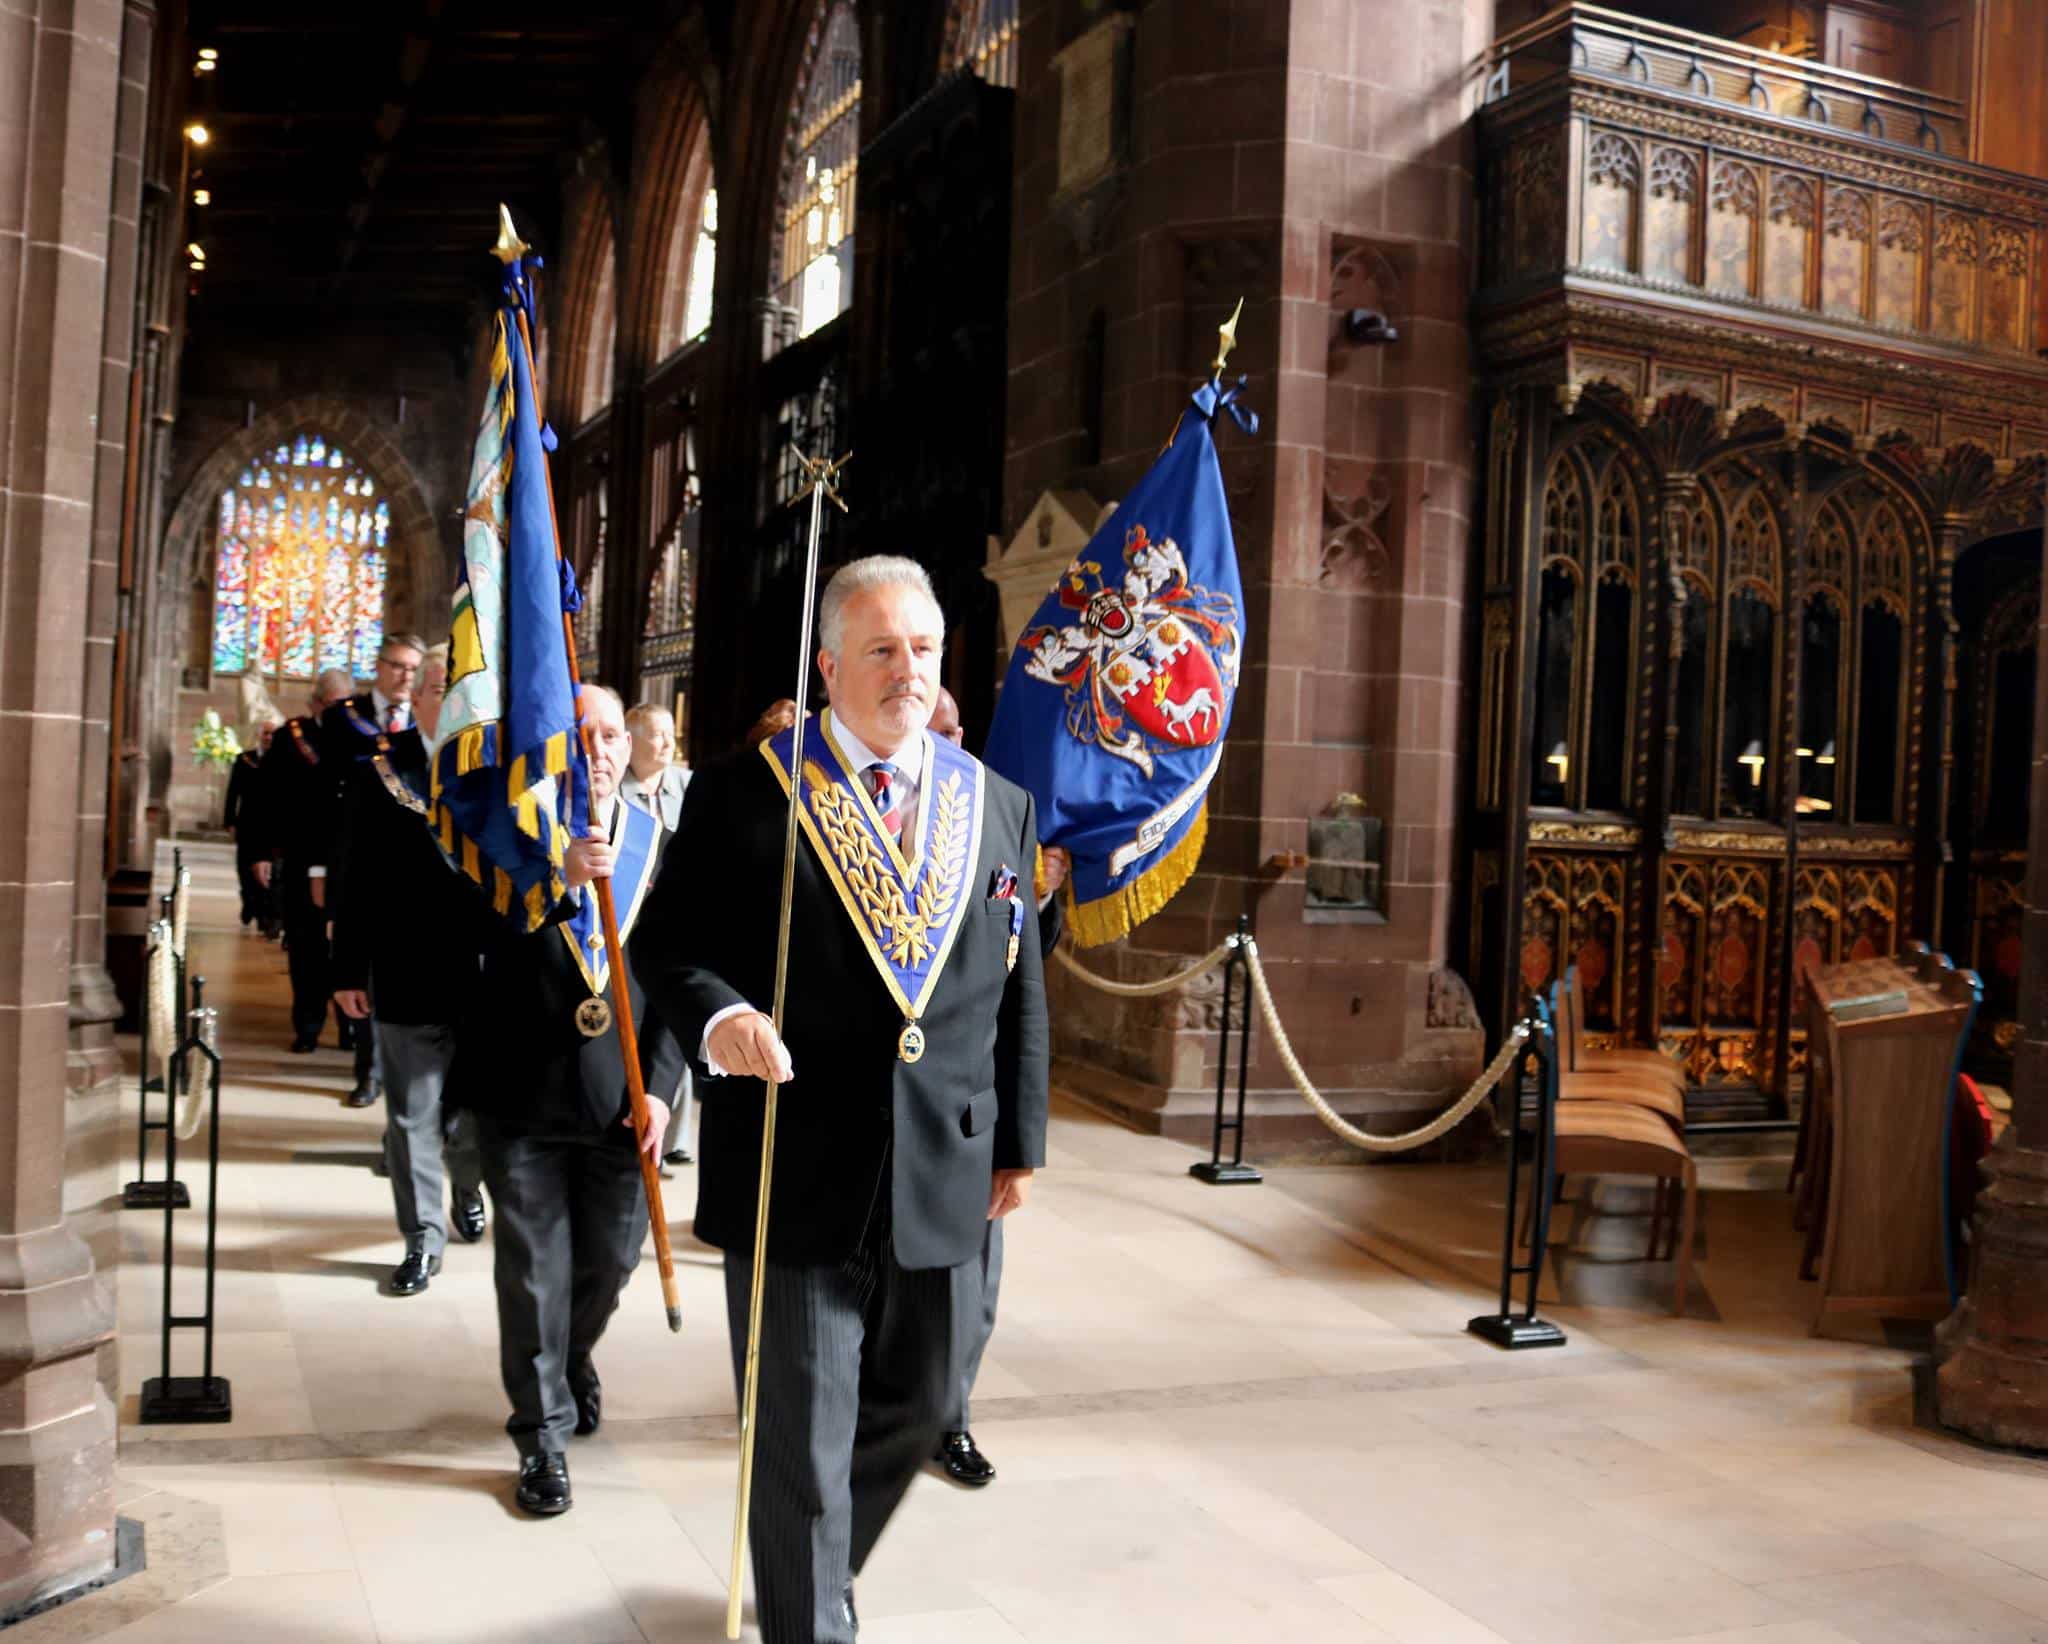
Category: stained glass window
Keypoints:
(299, 564)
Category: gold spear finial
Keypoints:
(822, 474)
(1226, 338)
(510, 247)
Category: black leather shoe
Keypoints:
(589, 1405)
(962, 1462)
(410, 1276)
(469, 1217)
(305, 1044)
(677, 1156)
(544, 1484)
(364, 1095)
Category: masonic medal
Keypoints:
(910, 1043)
(593, 1018)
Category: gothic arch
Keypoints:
(421, 575)
(418, 585)
(666, 205)
(579, 375)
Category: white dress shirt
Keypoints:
(908, 764)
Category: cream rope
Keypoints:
(1436, 1127)
(181, 899)
(192, 1104)
(1145, 990)
(1443, 1122)
(163, 1008)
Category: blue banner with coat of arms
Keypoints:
(1118, 694)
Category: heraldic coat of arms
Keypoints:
(1148, 661)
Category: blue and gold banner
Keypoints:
(907, 912)
(510, 789)
(1118, 695)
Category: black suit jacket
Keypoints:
(976, 1102)
(521, 1058)
(407, 926)
(242, 814)
(300, 792)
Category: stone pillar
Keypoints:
(1993, 1378)
(94, 1131)
(1315, 158)
(61, 62)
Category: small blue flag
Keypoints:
(510, 786)
(1118, 695)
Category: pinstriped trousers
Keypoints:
(858, 1368)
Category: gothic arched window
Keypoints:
(299, 565)
(1586, 631)
(813, 254)
(1749, 661)
(596, 328)
(689, 266)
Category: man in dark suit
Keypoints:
(913, 1060)
(958, 1456)
(541, 1060)
(408, 930)
(349, 730)
(242, 816)
(297, 823)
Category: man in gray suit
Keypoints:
(913, 1061)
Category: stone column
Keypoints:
(93, 1135)
(1993, 1379)
(60, 100)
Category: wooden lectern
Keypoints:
(1882, 1036)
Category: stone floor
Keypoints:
(1219, 1414)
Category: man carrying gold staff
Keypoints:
(913, 1059)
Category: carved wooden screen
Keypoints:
(1588, 615)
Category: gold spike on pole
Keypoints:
(1226, 338)
(819, 491)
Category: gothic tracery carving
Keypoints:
(1735, 189)
(1848, 215)
(1792, 200)
(1901, 227)
(1674, 174)
(1613, 161)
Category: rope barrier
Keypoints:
(1481, 1088)
(1421, 1136)
(1146, 990)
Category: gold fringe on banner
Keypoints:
(1129, 906)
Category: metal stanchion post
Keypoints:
(204, 1397)
(1507, 1328)
(1214, 1170)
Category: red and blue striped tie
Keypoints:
(882, 785)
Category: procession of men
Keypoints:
(911, 1140)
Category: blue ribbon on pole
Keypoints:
(1212, 397)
